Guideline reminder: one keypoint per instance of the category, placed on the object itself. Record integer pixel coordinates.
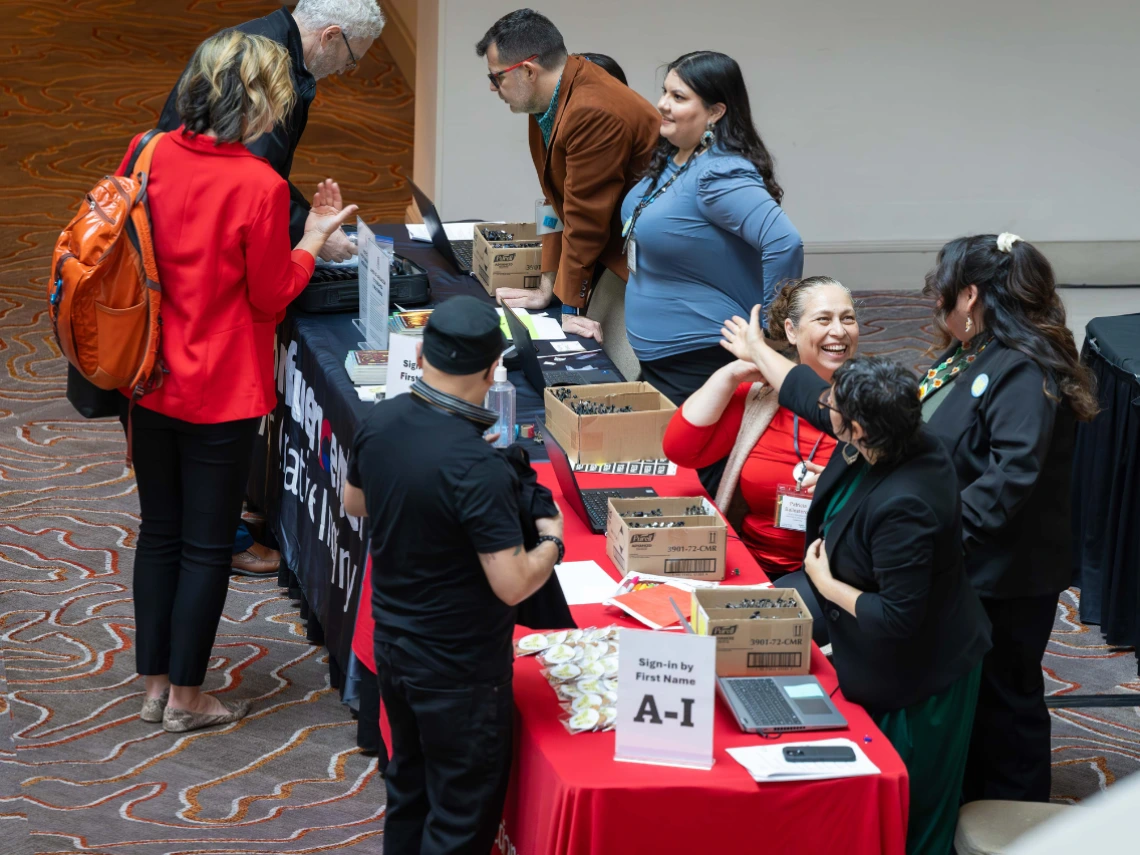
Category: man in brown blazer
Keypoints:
(591, 138)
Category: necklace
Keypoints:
(949, 368)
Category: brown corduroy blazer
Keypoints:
(603, 139)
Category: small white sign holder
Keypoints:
(402, 370)
(375, 262)
(667, 702)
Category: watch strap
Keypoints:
(557, 544)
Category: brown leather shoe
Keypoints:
(258, 560)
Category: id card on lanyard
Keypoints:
(792, 500)
(630, 225)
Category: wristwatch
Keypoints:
(569, 310)
(558, 544)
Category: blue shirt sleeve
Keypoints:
(731, 194)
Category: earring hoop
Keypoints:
(849, 459)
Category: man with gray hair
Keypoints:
(323, 37)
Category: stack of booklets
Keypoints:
(408, 323)
(367, 367)
(649, 599)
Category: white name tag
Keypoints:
(631, 255)
(791, 508)
(546, 220)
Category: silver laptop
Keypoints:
(779, 704)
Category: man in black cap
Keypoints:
(448, 568)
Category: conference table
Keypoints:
(567, 793)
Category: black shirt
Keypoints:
(437, 496)
(278, 145)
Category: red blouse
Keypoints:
(220, 220)
(769, 464)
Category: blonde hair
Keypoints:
(237, 85)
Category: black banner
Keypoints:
(326, 548)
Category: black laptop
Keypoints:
(592, 506)
(456, 252)
(540, 377)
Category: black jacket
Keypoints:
(278, 145)
(1012, 447)
(919, 626)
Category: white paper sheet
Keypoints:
(766, 763)
(454, 231)
(548, 328)
(584, 582)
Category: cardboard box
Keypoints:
(613, 437)
(778, 644)
(692, 551)
(498, 264)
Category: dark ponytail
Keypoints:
(1021, 307)
(717, 79)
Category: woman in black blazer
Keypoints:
(884, 559)
(1004, 398)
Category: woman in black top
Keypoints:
(1004, 398)
(908, 632)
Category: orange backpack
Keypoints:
(104, 296)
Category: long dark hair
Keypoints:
(717, 79)
(1021, 308)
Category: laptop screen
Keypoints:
(524, 345)
(435, 228)
(567, 482)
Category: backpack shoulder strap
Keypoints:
(144, 151)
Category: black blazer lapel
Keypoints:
(839, 525)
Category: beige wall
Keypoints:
(896, 124)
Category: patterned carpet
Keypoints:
(79, 772)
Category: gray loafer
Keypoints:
(153, 708)
(182, 721)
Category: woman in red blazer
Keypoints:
(220, 219)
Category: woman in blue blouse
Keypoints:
(706, 237)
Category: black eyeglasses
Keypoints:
(825, 402)
(351, 55)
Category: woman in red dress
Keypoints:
(774, 456)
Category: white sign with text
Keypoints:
(402, 370)
(667, 701)
(375, 260)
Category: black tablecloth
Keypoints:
(300, 462)
(1106, 484)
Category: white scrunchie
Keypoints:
(1006, 240)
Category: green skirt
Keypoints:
(933, 739)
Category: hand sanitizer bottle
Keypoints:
(501, 399)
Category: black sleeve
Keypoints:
(358, 443)
(487, 505)
(274, 147)
(902, 550)
(801, 392)
(1019, 419)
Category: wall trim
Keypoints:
(902, 264)
(398, 37)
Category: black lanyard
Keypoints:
(796, 442)
(649, 198)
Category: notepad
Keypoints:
(767, 764)
(584, 582)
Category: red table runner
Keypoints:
(569, 797)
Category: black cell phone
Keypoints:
(821, 754)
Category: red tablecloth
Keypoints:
(569, 797)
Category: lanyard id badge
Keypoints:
(546, 219)
(791, 507)
(631, 254)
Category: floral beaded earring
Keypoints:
(708, 138)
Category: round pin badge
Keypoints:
(981, 382)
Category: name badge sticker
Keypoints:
(979, 386)
(791, 508)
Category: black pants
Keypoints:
(678, 377)
(1010, 748)
(191, 481)
(451, 757)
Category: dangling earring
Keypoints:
(969, 323)
(849, 459)
(708, 137)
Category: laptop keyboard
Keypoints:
(765, 703)
(598, 506)
(462, 250)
